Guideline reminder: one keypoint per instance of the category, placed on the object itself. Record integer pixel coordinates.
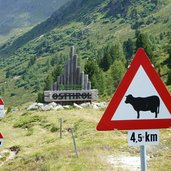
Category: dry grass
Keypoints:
(42, 149)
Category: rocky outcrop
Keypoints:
(45, 107)
(55, 106)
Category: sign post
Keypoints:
(143, 158)
(142, 138)
(141, 104)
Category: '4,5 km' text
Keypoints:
(143, 137)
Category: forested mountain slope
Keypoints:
(107, 31)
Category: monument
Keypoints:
(73, 86)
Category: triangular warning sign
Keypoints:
(1, 108)
(1, 102)
(141, 100)
(1, 136)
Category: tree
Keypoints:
(40, 98)
(114, 75)
(110, 53)
(48, 82)
(96, 75)
(118, 53)
(32, 61)
(168, 49)
(106, 60)
(143, 42)
(56, 72)
(90, 68)
(134, 13)
(168, 61)
(128, 47)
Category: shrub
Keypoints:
(9, 109)
(40, 98)
(30, 132)
(26, 121)
(15, 148)
(54, 128)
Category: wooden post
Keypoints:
(82, 80)
(55, 86)
(65, 73)
(68, 73)
(72, 51)
(74, 142)
(59, 82)
(75, 69)
(71, 65)
(62, 78)
(85, 81)
(89, 86)
(78, 80)
(61, 128)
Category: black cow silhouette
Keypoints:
(151, 103)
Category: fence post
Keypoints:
(61, 128)
(74, 142)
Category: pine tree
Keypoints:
(128, 47)
(168, 60)
(56, 72)
(143, 42)
(96, 75)
(48, 82)
(114, 75)
(32, 61)
(110, 53)
(106, 60)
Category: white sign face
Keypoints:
(1, 142)
(2, 113)
(143, 137)
(141, 87)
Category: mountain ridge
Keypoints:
(25, 14)
(79, 8)
(49, 24)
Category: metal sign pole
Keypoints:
(143, 158)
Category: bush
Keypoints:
(30, 132)
(54, 129)
(26, 121)
(40, 98)
(15, 148)
(13, 94)
(9, 109)
(137, 24)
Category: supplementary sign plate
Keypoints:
(143, 137)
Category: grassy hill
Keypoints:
(34, 135)
(99, 30)
(25, 13)
(88, 25)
